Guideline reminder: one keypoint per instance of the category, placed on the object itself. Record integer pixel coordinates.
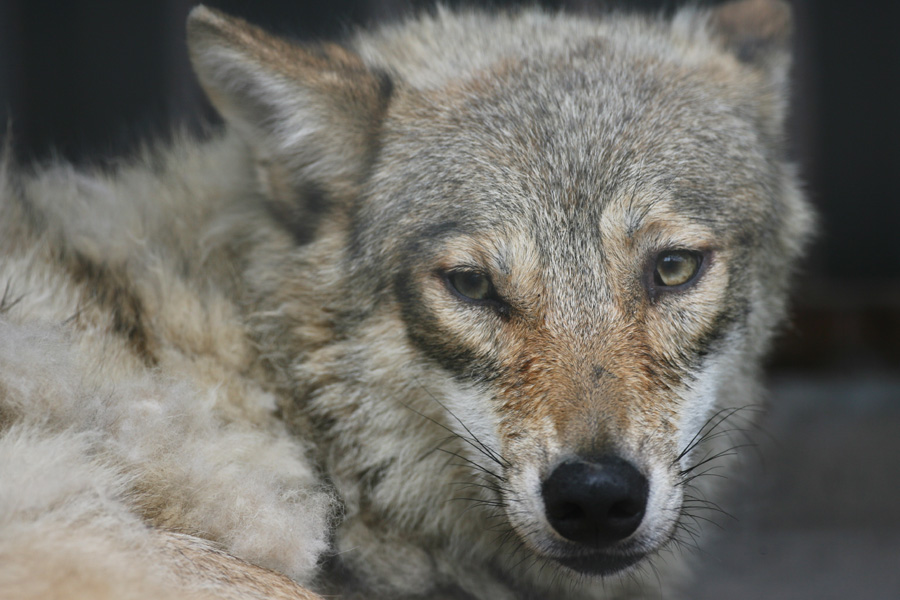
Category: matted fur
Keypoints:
(247, 356)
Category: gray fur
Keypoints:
(253, 340)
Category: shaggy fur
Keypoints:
(252, 355)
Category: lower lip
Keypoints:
(599, 564)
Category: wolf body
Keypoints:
(430, 299)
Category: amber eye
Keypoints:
(472, 285)
(676, 267)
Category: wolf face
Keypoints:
(583, 251)
(566, 241)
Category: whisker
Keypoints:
(727, 452)
(712, 423)
(481, 468)
(487, 486)
(478, 444)
(710, 505)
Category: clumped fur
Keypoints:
(246, 357)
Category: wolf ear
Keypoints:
(757, 32)
(311, 114)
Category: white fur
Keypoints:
(700, 400)
(255, 494)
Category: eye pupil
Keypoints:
(471, 284)
(676, 267)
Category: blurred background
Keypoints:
(817, 514)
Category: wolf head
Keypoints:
(566, 241)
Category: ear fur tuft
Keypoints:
(757, 33)
(754, 30)
(311, 113)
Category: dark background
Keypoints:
(88, 81)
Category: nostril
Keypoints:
(597, 502)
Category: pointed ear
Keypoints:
(757, 32)
(311, 114)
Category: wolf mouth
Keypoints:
(600, 563)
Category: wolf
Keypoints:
(465, 306)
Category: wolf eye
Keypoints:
(676, 267)
(472, 285)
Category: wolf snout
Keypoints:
(595, 502)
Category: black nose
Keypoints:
(596, 502)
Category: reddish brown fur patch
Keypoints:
(551, 377)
